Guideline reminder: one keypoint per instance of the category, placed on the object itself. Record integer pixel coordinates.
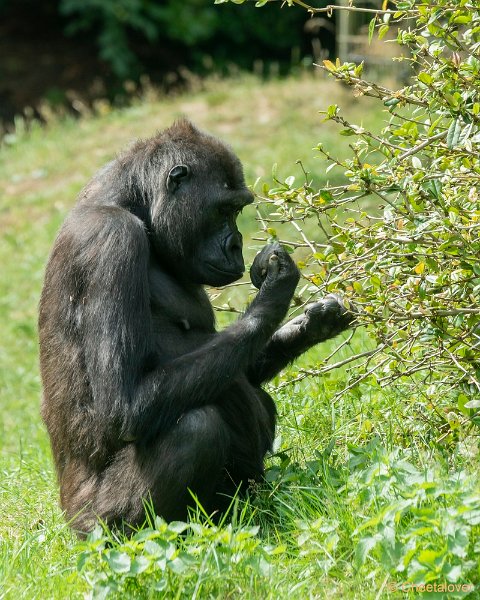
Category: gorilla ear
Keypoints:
(175, 176)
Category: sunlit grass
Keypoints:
(41, 172)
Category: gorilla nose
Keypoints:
(233, 253)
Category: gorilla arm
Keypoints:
(321, 321)
(136, 393)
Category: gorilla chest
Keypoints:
(177, 336)
(182, 317)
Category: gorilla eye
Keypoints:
(175, 177)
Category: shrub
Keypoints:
(399, 227)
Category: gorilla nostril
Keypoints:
(234, 244)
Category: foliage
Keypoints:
(418, 525)
(115, 19)
(423, 527)
(411, 266)
(193, 560)
(118, 23)
(156, 37)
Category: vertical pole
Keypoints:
(343, 32)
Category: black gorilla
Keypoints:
(143, 399)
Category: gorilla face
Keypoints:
(218, 259)
(203, 243)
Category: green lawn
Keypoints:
(367, 490)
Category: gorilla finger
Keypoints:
(259, 268)
(273, 266)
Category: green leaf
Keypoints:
(454, 133)
(462, 19)
(458, 543)
(161, 585)
(416, 162)
(119, 561)
(177, 565)
(326, 196)
(472, 404)
(82, 560)
(332, 110)
(434, 188)
(391, 102)
(347, 132)
(363, 548)
(425, 78)
(153, 548)
(371, 29)
(329, 65)
(177, 526)
(139, 565)
(431, 557)
(382, 32)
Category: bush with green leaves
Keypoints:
(175, 560)
(397, 230)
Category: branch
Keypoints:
(438, 313)
(423, 145)
(373, 90)
(331, 7)
(309, 373)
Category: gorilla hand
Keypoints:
(325, 319)
(273, 263)
(276, 276)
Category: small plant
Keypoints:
(424, 522)
(194, 560)
(378, 513)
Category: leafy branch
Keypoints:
(409, 260)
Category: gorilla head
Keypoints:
(194, 188)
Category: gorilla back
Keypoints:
(143, 399)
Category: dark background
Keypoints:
(61, 50)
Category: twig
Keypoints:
(331, 7)
(304, 237)
(309, 373)
(438, 313)
(227, 309)
(423, 145)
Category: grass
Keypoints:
(360, 496)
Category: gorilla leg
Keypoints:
(251, 421)
(190, 457)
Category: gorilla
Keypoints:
(143, 399)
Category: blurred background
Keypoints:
(68, 54)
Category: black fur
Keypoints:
(142, 397)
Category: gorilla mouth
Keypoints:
(225, 272)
